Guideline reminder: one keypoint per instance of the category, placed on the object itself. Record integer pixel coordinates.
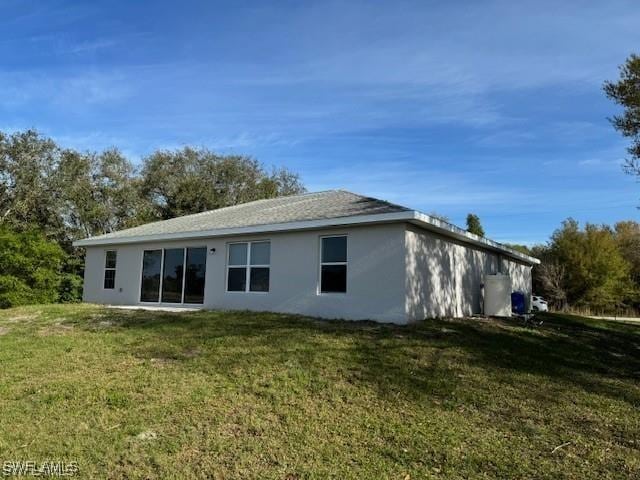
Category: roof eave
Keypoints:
(417, 218)
(440, 226)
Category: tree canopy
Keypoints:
(70, 194)
(191, 180)
(474, 226)
(588, 267)
(626, 93)
(50, 196)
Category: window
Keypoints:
(173, 275)
(248, 267)
(110, 269)
(333, 264)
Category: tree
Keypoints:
(474, 226)
(101, 193)
(626, 93)
(30, 269)
(191, 180)
(549, 277)
(627, 235)
(594, 272)
(28, 193)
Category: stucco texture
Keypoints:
(396, 273)
(375, 274)
(445, 277)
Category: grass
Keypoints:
(132, 394)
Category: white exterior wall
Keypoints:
(445, 277)
(375, 274)
(396, 273)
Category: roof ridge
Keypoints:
(392, 204)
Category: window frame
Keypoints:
(184, 271)
(321, 264)
(247, 266)
(105, 269)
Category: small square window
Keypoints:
(248, 266)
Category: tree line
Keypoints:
(51, 195)
(594, 268)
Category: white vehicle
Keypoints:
(539, 304)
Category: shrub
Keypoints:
(30, 269)
(70, 288)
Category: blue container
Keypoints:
(518, 304)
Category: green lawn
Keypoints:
(131, 394)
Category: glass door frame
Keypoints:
(184, 273)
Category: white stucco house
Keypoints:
(332, 254)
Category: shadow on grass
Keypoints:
(414, 361)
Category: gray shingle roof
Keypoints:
(321, 209)
(309, 206)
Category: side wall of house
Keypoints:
(375, 274)
(445, 277)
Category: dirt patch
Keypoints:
(25, 317)
(147, 435)
(161, 361)
(55, 329)
(4, 330)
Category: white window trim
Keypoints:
(184, 271)
(105, 269)
(321, 264)
(247, 268)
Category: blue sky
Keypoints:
(491, 107)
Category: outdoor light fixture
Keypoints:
(212, 251)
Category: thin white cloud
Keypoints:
(72, 90)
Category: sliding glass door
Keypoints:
(194, 276)
(151, 268)
(165, 278)
(172, 275)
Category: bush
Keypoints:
(70, 288)
(30, 269)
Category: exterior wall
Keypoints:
(396, 273)
(375, 274)
(445, 277)
(520, 277)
